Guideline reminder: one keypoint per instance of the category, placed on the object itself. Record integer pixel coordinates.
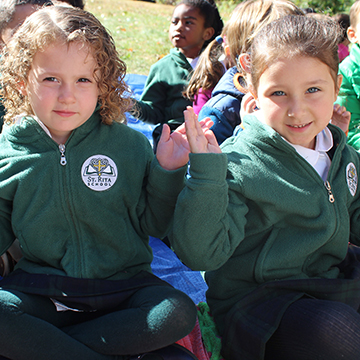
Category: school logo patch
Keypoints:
(351, 178)
(99, 172)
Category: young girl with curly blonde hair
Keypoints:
(82, 192)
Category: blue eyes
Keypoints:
(313, 90)
(308, 91)
(278, 93)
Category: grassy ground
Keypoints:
(140, 29)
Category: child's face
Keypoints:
(61, 87)
(353, 33)
(296, 98)
(21, 13)
(187, 30)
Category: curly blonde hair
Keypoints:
(60, 23)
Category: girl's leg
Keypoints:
(316, 329)
(154, 317)
(29, 330)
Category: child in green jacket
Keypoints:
(270, 214)
(82, 192)
(194, 24)
(349, 68)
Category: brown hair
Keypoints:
(294, 36)
(208, 70)
(60, 23)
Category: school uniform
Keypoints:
(83, 212)
(272, 231)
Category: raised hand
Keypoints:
(173, 149)
(341, 118)
(201, 139)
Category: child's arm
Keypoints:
(150, 107)
(341, 118)
(209, 221)
(349, 96)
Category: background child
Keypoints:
(213, 63)
(271, 217)
(82, 192)
(194, 23)
(246, 20)
(343, 46)
(349, 95)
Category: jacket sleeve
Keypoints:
(7, 236)
(162, 190)
(349, 96)
(209, 220)
(152, 102)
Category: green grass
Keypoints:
(140, 29)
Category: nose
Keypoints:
(179, 25)
(66, 94)
(296, 109)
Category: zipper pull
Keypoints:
(63, 161)
(328, 188)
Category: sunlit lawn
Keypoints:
(140, 29)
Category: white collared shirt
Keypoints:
(193, 62)
(318, 158)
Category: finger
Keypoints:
(195, 125)
(181, 129)
(165, 133)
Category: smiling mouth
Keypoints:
(299, 126)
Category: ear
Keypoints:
(338, 83)
(351, 34)
(208, 33)
(22, 88)
(254, 94)
(244, 61)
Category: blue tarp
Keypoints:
(136, 84)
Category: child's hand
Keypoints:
(201, 138)
(341, 118)
(173, 149)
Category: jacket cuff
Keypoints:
(209, 167)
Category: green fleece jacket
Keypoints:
(349, 95)
(91, 216)
(259, 212)
(162, 100)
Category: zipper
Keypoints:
(63, 161)
(328, 188)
